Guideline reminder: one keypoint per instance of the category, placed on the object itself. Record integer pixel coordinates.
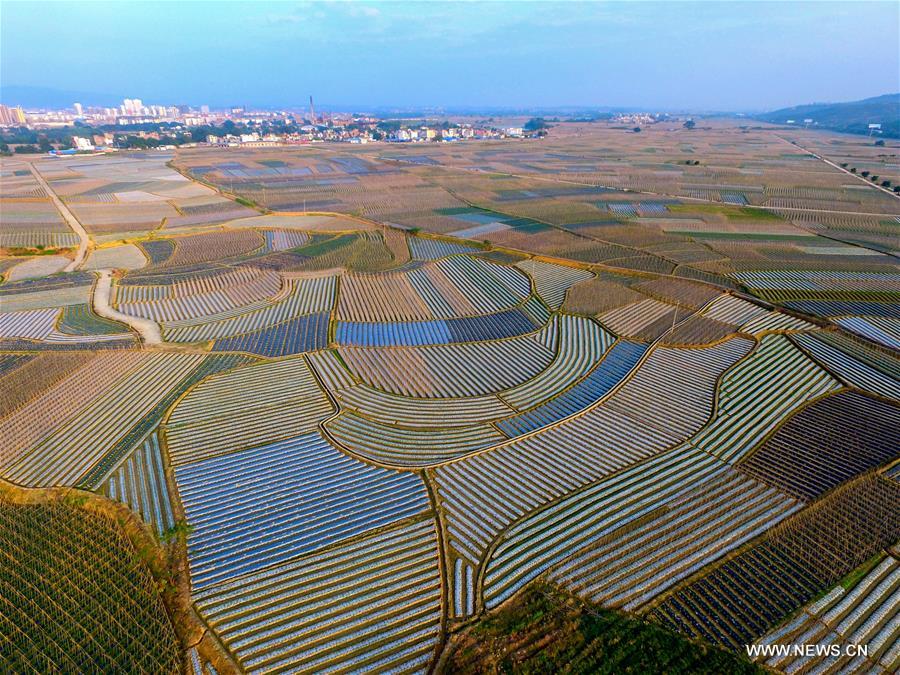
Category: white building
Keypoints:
(78, 109)
(82, 143)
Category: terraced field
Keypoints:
(347, 442)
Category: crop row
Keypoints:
(301, 334)
(885, 330)
(197, 248)
(259, 285)
(398, 446)
(544, 538)
(313, 496)
(580, 344)
(471, 369)
(616, 364)
(735, 311)
(553, 281)
(369, 604)
(284, 240)
(740, 600)
(484, 494)
(140, 482)
(865, 615)
(66, 395)
(757, 394)
(452, 287)
(66, 452)
(825, 444)
(633, 319)
(629, 569)
(509, 323)
(304, 296)
(850, 366)
(252, 405)
(434, 249)
(33, 324)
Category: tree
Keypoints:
(690, 124)
(874, 179)
(26, 150)
(852, 169)
(843, 165)
(536, 123)
(864, 174)
(637, 130)
(879, 142)
(886, 183)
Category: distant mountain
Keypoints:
(853, 117)
(45, 97)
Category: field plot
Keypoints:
(759, 392)
(629, 569)
(243, 408)
(28, 218)
(827, 443)
(75, 596)
(740, 600)
(484, 494)
(860, 615)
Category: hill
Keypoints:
(547, 630)
(851, 117)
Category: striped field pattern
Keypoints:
(730, 309)
(544, 538)
(883, 330)
(483, 494)
(369, 604)
(140, 482)
(849, 368)
(271, 503)
(248, 406)
(757, 394)
(628, 569)
(553, 281)
(303, 296)
(35, 324)
(433, 249)
(452, 370)
(865, 615)
(70, 450)
(205, 296)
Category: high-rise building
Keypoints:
(20, 115)
(78, 109)
(6, 116)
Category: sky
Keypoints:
(725, 56)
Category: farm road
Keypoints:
(149, 330)
(69, 217)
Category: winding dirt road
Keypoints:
(148, 330)
(70, 219)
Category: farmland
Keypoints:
(422, 405)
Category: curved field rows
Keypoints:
(845, 364)
(546, 537)
(581, 343)
(424, 413)
(248, 406)
(730, 309)
(865, 615)
(483, 494)
(433, 249)
(202, 297)
(449, 370)
(760, 392)
(390, 444)
(884, 330)
(304, 296)
(369, 604)
(553, 281)
(71, 450)
(629, 569)
(451, 288)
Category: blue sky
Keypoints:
(701, 56)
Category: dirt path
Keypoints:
(70, 219)
(148, 330)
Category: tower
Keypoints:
(312, 111)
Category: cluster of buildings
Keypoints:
(12, 117)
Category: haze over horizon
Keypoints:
(746, 56)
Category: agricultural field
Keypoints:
(409, 408)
